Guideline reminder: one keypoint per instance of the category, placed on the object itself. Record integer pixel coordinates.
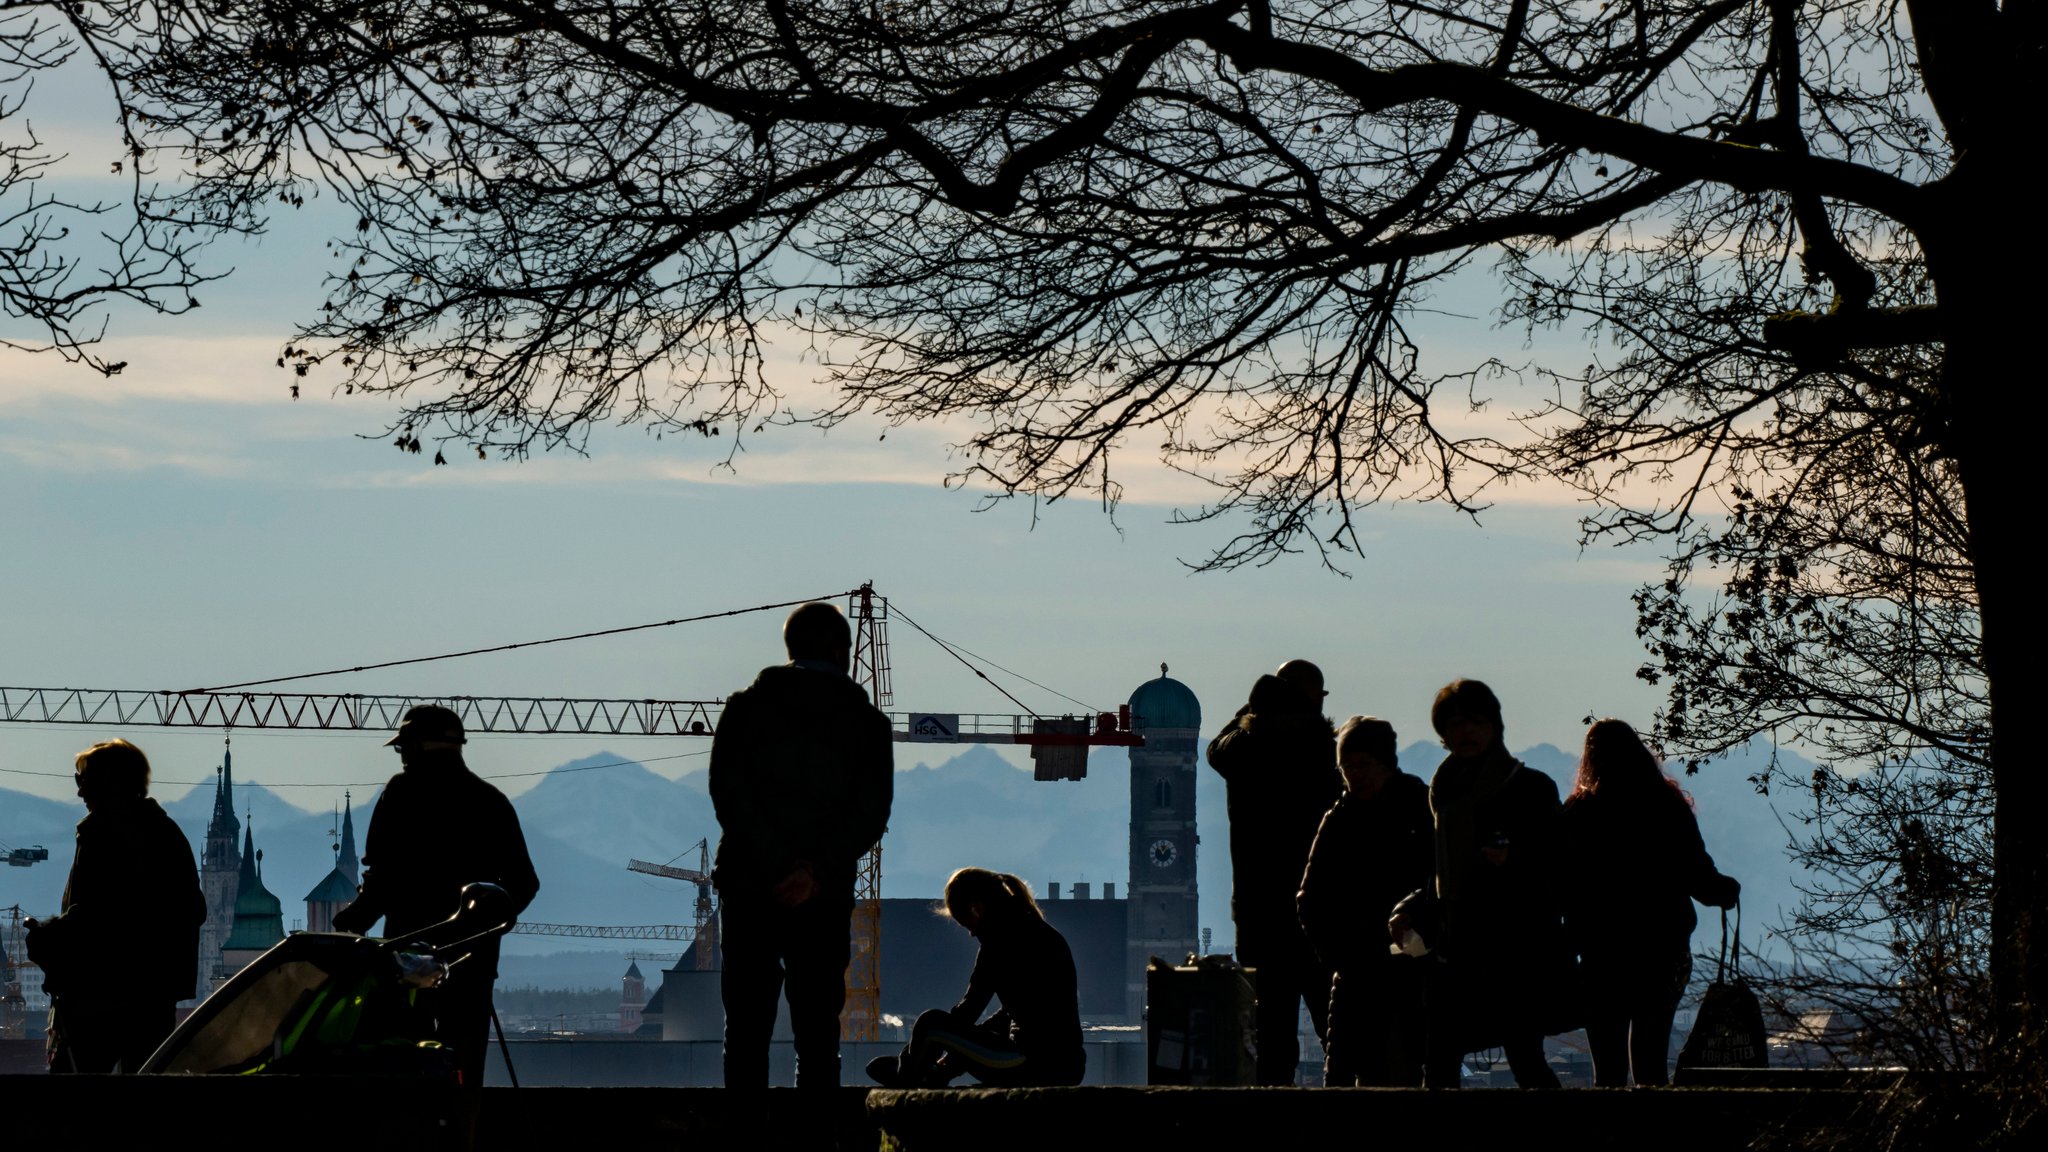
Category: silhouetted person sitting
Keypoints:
(125, 949)
(1278, 762)
(1376, 845)
(802, 773)
(1632, 864)
(437, 827)
(1035, 1040)
(1503, 961)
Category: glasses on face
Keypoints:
(78, 780)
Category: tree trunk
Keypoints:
(1990, 382)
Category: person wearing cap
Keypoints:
(802, 775)
(436, 828)
(1278, 760)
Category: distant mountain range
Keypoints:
(588, 816)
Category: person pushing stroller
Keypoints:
(439, 827)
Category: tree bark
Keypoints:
(1988, 376)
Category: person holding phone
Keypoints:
(1503, 963)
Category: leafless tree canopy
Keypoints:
(1202, 231)
(1196, 230)
(64, 258)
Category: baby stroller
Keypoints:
(324, 1003)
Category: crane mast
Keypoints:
(862, 1018)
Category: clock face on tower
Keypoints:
(1164, 853)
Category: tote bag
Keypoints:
(1728, 1032)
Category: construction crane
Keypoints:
(13, 961)
(707, 909)
(1058, 744)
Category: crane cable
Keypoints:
(969, 665)
(520, 644)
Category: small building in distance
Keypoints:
(632, 998)
(337, 890)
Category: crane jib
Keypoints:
(111, 707)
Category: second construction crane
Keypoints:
(705, 946)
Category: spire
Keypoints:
(349, 862)
(224, 792)
(249, 878)
(219, 855)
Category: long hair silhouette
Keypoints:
(1616, 760)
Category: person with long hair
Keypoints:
(1632, 863)
(1035, 1039)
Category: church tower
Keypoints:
(219, 873)
(1161, 917)
(632, 998)
(350, 862)
(258, 918)
(337, 890)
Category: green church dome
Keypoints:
(259, 915)
(1165, 703)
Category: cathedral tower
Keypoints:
(1161, 907)
(220, 869)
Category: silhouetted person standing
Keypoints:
(802, 773)
(437, 828)
(1376, 845)
(1035, 1040)
(125, 949)
(1632, 864)
(1278, 761)
(1503, 958)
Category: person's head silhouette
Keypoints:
(819, 632)
(429, 735)
(111, 772)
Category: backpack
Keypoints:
(1728, 1031)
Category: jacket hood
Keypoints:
(1275, 703)
(1271, 694)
